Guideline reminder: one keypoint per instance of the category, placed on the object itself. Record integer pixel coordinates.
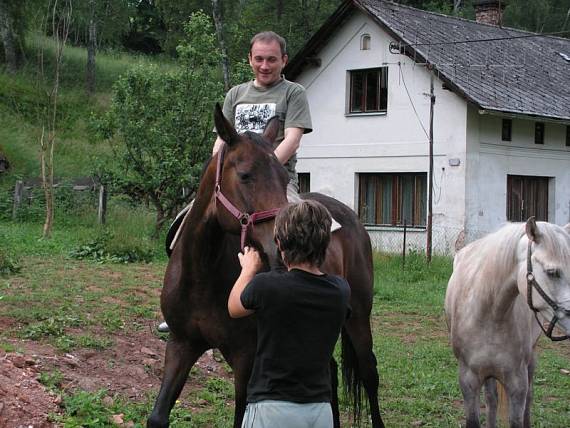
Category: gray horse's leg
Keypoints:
(470, 387)
(518, 391)
(180, 357)
(491, 402)
(528, 402)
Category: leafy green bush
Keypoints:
(9, 264)
(114, 248)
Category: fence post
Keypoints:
(102, 209)
(18, 194)
(404, 246)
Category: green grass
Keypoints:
(23, 97)
(75, 304)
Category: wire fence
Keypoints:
(26, 201)
(82, 197)
(446, 240)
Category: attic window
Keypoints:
(539, 133)
(365, 42)
(506, 134)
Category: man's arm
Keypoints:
(290, 144)
(250, 262)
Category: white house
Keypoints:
(501, 121)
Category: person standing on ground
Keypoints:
(299, 315)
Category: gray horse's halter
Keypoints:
(530, 283)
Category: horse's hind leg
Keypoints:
(491, 402)
(180, 357)
(470, 387)
(334, 389)
(358, 330)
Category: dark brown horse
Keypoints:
(204, 266)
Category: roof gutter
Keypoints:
(524, 116)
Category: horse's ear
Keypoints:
(224, 128)
(567, 228)
(532, 231)
(271, 129)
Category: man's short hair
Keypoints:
(267, 37)
(304, 232)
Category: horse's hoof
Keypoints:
(154, 422)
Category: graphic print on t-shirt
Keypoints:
(253, 117)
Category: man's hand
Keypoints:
(250, 261)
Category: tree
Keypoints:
(162, 124)
(60, 19)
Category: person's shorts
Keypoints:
(285, 414)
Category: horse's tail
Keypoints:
(351, 377)
(503, 406)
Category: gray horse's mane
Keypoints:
(493, 258)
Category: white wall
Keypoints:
(341, 146)
(492, 160)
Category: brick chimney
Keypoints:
(489, 11)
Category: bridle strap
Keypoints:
(246, 220)
(532, 283)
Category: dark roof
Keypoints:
(524, 74)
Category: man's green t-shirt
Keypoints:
(249, 108)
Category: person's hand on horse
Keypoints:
(250, 260)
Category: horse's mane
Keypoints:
(492, 259)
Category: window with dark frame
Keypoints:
(368, 90)
(506, 134)
(304, 182)
(392, 199)
(567, 135)
(539, 133)
(527, 196)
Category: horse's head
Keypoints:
(545, 277)
(252, 180)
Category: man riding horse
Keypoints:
(250, 105)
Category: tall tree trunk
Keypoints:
(219, 23)
(60, 31)
(279, 7)
(91, 50)
(8, 39)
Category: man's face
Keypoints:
(267, 62)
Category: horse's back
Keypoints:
(350, 251)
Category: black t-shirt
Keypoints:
(299, 317)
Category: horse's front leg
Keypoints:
(242, 363)
(528, 403)
(518, 392)
(180, 357)
(470, 387)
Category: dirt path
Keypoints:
(131, 368)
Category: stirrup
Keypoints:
(163, 327)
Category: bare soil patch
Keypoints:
(131, 368)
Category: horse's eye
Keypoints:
(244, 176)
(553, 273)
